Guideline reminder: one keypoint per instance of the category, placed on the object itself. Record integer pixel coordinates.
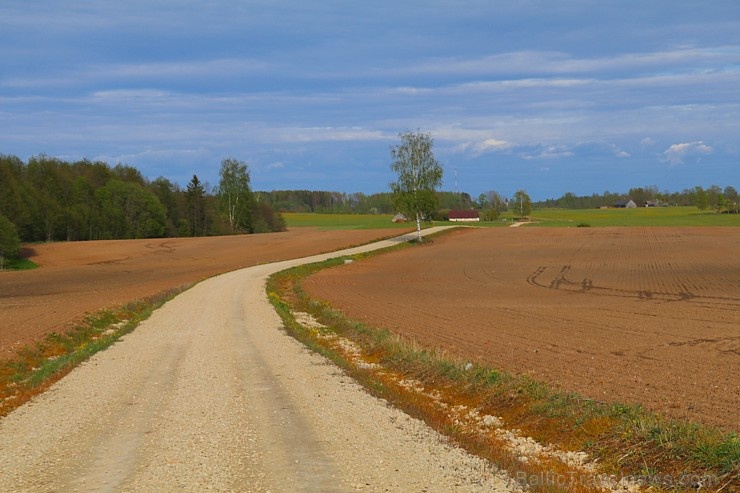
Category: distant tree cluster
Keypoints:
(491, 204)
(713, 198)
(322, 202)
(48, 199)
(325, 202)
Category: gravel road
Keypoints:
(209, 394)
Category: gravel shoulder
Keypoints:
(210, 394)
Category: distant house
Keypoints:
(464, 215)
(399, 218)
(625, 204)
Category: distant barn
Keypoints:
(464, 215)
(625, 204)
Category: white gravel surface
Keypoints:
(209, 394)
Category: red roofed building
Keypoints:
(464, 215)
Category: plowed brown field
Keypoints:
(84, 277)
(646, 315)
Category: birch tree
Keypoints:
(234, 193)
(419, 176)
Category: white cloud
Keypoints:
(490, 145)
(560, 62)
(408, 91)
(493, 144)
(483, 146)
(647, 142)
(617, 151)
(676, 153)
(550, 152)
(229, 67)
(129, 94)
(329, 134)
(488, 86)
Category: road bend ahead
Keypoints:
(210, 394)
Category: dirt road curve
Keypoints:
(87, 276)
(209, 394)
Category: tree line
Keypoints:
(49, 199)
(713, 198)
(326, 202)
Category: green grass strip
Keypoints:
(35, 367)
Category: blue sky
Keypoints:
(547, 96)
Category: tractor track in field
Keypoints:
(635, 315)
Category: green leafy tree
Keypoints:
(490, 214)
(491, 205)
(172, 198)
(700, 198)
(46, 177)
(10, 244)
(731, 198)
(419, 176)
(81, 211)
(521, 204)
(266, 220)
(234, 194)
(128, 174)
(496, 201)
(713, 194)
(452, 200)
(569, 200)
(15, 200)
(130, 211)
(482, 201)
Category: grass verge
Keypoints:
(546, 217)
(35, 368)
(626, 441)
(19, 264)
